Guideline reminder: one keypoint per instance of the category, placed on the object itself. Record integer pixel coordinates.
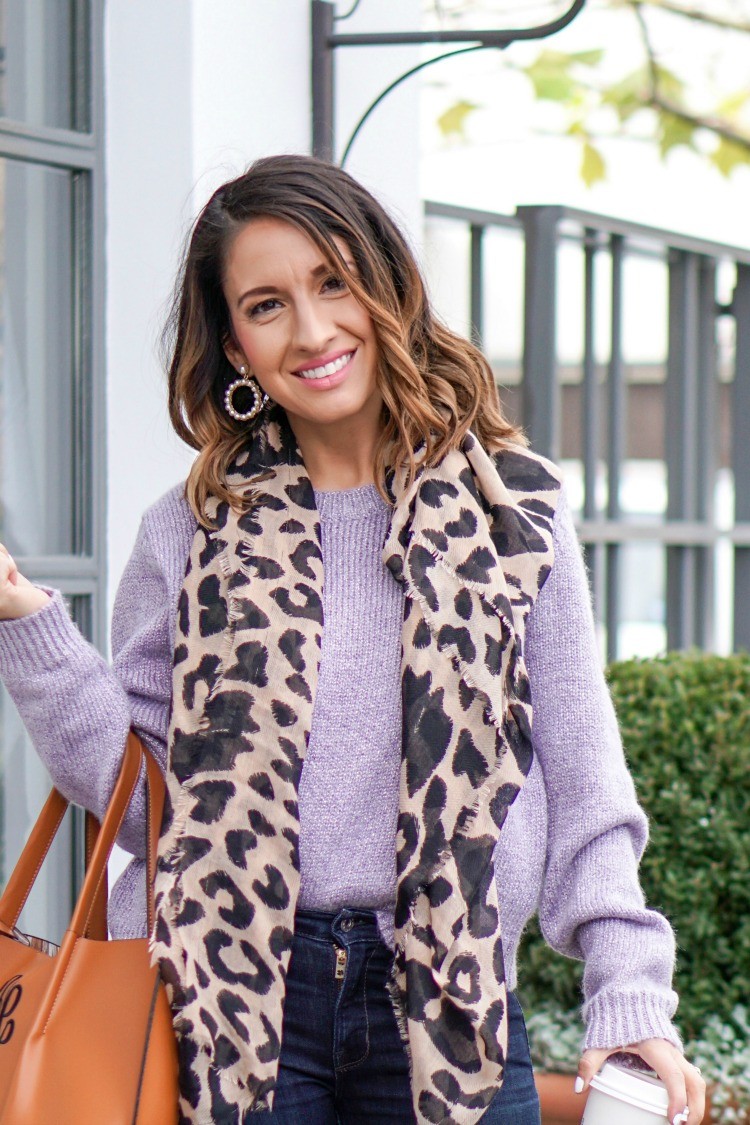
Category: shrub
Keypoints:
(723, 1054)
(554, 1038)
(685, 721)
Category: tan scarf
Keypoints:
(471, 541)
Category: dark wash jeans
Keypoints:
(342, 1059)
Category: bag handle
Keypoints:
(91, 905)
(135, 752)
(98, 927)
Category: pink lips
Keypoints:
(322, 360)
(327, 382)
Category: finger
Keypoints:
(667, 1061)
(8, 568)
(696, 1092)
(590, 1063)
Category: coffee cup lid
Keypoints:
(632, 1086)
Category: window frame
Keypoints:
(81, 574)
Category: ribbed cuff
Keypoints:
(623, 1018)
(43, 639)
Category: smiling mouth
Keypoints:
(327, 369)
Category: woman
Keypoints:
(330, 937)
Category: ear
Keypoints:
(235, 356)
(233, 352)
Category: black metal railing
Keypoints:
(598, 412)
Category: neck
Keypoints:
(338, 457)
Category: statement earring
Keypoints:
(248, 384)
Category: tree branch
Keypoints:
(714, 124)
(647, 46)
(659, 102)
(699, 16)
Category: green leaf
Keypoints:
(587, 58)
(732, 106)
(577, 128)
(673, 131)
(593, 168)
(729, 155)
(452, 123)
(628, 95)
(551, 78)
(552, 74)
(669, 85)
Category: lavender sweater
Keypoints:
(572, 841)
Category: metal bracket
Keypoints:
(325, 41)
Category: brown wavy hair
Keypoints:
(435, 384)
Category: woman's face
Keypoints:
(297, 328)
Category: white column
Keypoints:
(196, 90)
(149, 178)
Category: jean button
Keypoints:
(347, 924)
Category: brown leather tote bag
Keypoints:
(86, 1033)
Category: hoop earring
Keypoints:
(249, 384)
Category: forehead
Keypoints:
(274, 249)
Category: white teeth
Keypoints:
(328, 368)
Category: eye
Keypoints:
(334, 284)
(267, 306)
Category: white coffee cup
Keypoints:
(619, 1096)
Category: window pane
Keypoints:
(37, 77)
(37, 478)
(24, 785)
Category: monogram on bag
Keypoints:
(10, 997)
(85, 1030)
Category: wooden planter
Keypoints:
(560, 1106)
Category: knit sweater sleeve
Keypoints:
(77, 709)
(591, 905)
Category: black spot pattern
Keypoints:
(258, 565)
(210, 800)
(429, 728)
(462, 604)
(207, 673)
(291, 643)
(241, 912)
(274, 892)
(251, 664)
(308, 604)
(240, 841)
(213, 613)
(249, 615)
(305, 550)
(469, 760)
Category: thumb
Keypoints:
(590, 1064)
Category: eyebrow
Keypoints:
(262, 290)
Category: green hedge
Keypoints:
(685, 721)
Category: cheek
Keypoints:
(364, 326)
(258, 347)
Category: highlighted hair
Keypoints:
(435, 384)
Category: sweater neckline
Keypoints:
(362, 502)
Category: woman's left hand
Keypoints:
(687, 1090)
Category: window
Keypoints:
(51, 405)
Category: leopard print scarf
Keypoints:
(471, 542)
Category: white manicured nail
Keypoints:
(681, 1118)
(578, 1085)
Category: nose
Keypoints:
(314, 325)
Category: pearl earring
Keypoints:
(247, 383)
